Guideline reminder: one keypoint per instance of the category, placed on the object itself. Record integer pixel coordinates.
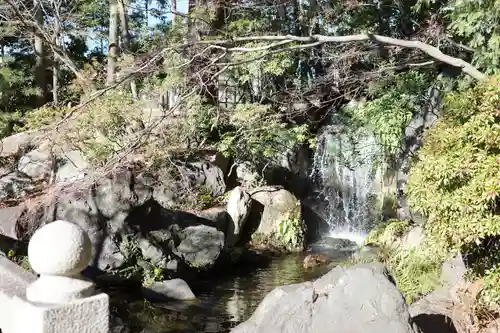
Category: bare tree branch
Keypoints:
(430, 50)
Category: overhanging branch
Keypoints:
(430, 50)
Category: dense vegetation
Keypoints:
(254, 79)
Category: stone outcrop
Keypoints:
(124, 222)
(361, 299)
(280, 219)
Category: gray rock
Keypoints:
(36, 164)
(201, 246)
(8, 220)
(277, 202)
(413, 238)
(175, 289)
(119, 209)
(16, 143)
(72, 166)
(360, 299)
(246, 174)
(369, 252)
(238, 206)
(453, 271)
(15, 185)
(217, 215)
(152, 252)
(206, 174)
(219, 160)
(333, 243)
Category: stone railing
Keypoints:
(60, 300)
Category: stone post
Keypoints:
(61, 300)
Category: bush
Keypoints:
(456, 182)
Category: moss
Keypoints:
(289, 236)
(416, 271)
(20, 259)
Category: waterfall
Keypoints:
(345, 172)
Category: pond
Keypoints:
(223, 302)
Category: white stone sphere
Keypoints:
(59, 248)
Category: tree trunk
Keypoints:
(40, 74)
(125, 35)
(55, 64)
(174, 10)
(112, 41)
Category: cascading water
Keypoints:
(345, 171)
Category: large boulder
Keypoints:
(281, 224)
(360, 299)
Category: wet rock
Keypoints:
(175, 289)
(361, 299)
(333, 243)
(315, 259)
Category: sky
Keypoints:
(182, 7)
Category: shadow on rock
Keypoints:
(434, 323)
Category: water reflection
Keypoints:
(223, 302)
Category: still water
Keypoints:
(223, 301)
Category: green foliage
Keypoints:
(388, 233)
(393, 101)
(136, 266)
(43, 116)
(456, 180)
(108, 127)
(476, 21)
(291, 230)
(490, 295)
(20, 259)
(289, 235)
(416, 270)
(259, 134)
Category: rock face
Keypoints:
(360, 299)
(124, 222)
(280, 219)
